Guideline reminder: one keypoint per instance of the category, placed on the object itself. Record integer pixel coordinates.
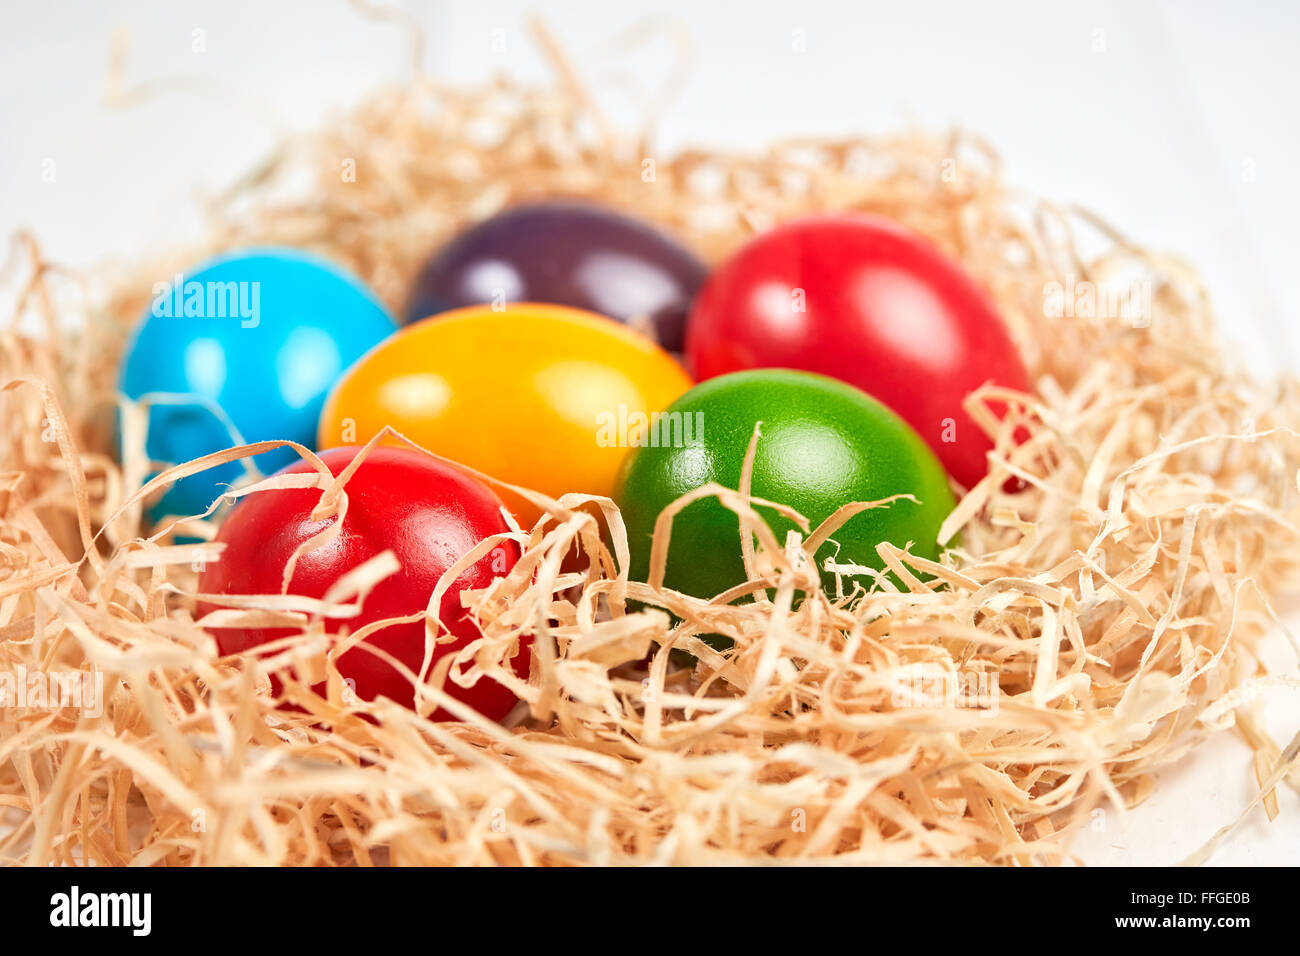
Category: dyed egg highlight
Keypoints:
(257, 336)
(537, 395)
(567, 253)
(427, 514)
(823, 444)
(863, 300)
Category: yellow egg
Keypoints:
(543, 396)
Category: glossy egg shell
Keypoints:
(824, 444)
(269, 373)
(428, 514)
(866, 301)
(520, 395)
(567, 253)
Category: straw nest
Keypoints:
(1087, 630)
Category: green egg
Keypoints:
(823, 444)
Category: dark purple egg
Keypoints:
(566, 253)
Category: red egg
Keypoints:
(428, 514)
(866, 301)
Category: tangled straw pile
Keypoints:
(1107, 617)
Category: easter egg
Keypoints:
(537, 395)
(568, 253)
(427, 514)
(823, 444)
(866, 301)
(251, 341)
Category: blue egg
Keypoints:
(256, 337)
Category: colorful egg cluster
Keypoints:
(541, 352)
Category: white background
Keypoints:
(1175, 121)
